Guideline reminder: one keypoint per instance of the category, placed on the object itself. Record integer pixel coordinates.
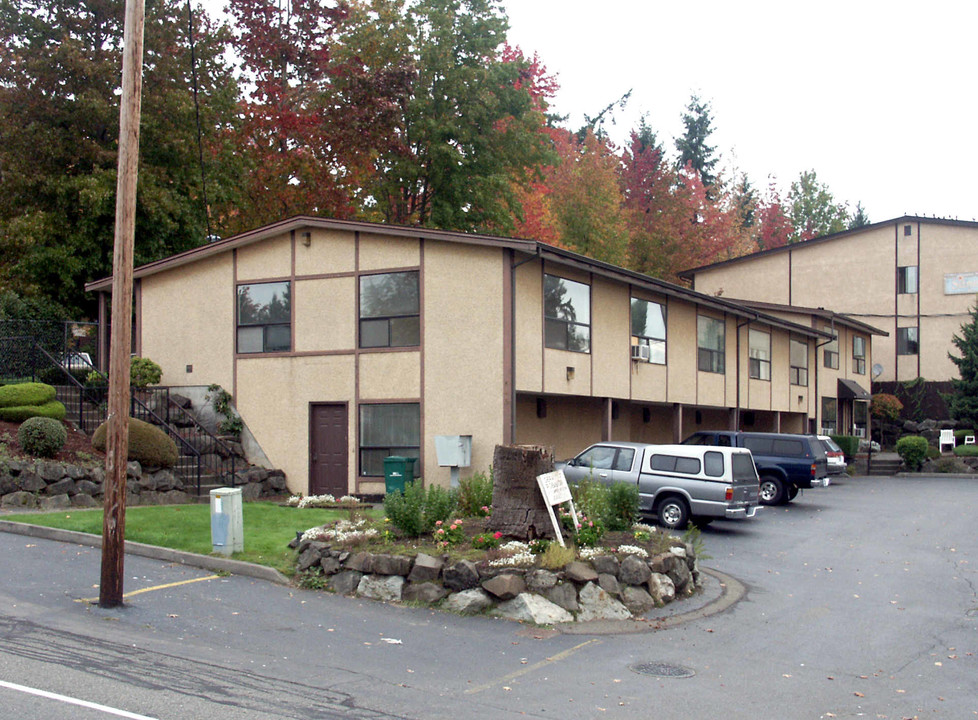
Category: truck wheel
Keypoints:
(672, 513)
(772, 491)
(792, 492)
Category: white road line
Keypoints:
(74, 701)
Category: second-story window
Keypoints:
(907, 280)
(566, 314)
(859, 355)
(798, 359)
(390, 310)
(264, 317)
(907, 341)
(649, 328)
(830, 352)
(711, 344)
(759, 350)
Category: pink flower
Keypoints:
(438, 522)
(452, 527)
(497, 535)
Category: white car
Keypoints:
(836, 458)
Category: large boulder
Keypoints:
(527, 607)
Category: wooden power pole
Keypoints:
(117, 437)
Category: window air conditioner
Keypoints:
(640, 352)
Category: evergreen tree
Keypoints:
(859, 218)
(60, 74)
(693, 146)
(963, 401)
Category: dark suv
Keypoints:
(786, 463)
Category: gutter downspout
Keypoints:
(512, 338)
(737, 409)
(818, 403)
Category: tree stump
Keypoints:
(518, 508)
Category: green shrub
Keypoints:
(960, 435)
(849, 444)
(148, 445)
(474, 494)
(143, 372)
(25, 394)
(622, 506)
(966, 451)
(42, 436)
(912, 449)
(51, 409)
(416, 510)
(591, 499)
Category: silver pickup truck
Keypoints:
(676, 483)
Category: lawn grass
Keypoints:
(268, 528)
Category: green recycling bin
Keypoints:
(398, 470)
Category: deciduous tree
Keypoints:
(813, 210)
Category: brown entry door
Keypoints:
(329, 450)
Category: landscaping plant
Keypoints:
(144, 372)
(42, 437)
(416, 510)
(912, 450)
(475, 494)
(622, 506)
(148, 445)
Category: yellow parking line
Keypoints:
(531, 668)
(151, 589)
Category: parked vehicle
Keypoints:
(787, 463)
(834, 455)
(78, 361)
(676, 483)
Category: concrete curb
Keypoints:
(204, 562)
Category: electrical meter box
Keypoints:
(227, 527)
(453, 450)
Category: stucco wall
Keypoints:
(271, 258)
(325, 314)
(187, 318)
(464, 348)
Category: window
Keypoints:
(713, 463)
(907, 341)
(566, 314)
(390, 310)
(743, 468)
(907, 280)
(759, 351)
(830, 412)
(907, 230)
(265, 317)
(649, 327)
(672, 463)
(387, 430)
(625, 459)
(798, 358)
(600, 457)
(710, 343)
(859, 355)
(830, 351)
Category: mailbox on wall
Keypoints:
(454, 451)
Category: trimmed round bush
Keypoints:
(42, 436)
(912, 449)
(25, 394)
(966, 451)
(53, 409)
(148, 445)
(143, 372)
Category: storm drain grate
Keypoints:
(662, 670)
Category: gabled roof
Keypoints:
(551, 253)
(828, 315)
(689, 273)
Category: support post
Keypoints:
(117, 436)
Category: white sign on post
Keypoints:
(555, 491)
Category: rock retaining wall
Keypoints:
(607, 587)
(48, 485)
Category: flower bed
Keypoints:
(462, 568)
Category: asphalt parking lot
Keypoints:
(860, 601)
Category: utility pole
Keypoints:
(117, 437)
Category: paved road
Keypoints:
(861, 602)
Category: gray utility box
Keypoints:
(227, 527)
(454, 451)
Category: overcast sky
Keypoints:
(878, 98)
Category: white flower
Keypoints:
(587, 553)
(632, 550)
(317, 501)
(349, 499)
(519, 555)
(640, 527)
(294, 501)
